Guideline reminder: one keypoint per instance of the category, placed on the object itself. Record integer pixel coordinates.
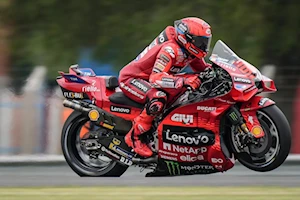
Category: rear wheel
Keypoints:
(82, 161)
(270, 151)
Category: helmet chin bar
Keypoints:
(196, 52)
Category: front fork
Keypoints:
(237, 119)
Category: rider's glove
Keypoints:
(193, 82)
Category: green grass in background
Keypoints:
(151, 193)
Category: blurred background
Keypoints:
(40, 38)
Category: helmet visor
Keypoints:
(200, 42)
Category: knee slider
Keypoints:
(155, 106)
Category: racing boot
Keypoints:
(141, 125)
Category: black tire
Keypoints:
(284, 134)
(71, 154)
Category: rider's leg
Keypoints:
(143, 122)
(140, 91)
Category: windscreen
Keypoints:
(223, 54)
(224, 57)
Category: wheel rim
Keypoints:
(270, 144)
(78, 156)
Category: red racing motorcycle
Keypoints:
(201, 132)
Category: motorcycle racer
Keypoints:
(152, 78)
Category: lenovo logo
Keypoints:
(139, 85)
(174, 138)
(120, 109)
(242, 80)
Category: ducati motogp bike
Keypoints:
(200, 132)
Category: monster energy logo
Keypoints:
(173, 167)
(233, 116)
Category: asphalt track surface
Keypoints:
(62, 175)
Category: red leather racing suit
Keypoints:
(155, 67)
(151, 78)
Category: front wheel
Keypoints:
(82, 161)
(271, 150)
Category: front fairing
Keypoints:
(245, 77)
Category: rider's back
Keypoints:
(141, 67)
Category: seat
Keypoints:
(111, 82)
(122, 99)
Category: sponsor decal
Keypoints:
(170, 51)
(181, 149)
(175, 138)
(162, 62)
(190, 158)
(208, 31)
(125, 161)
(182, 27)
(242, 80)
(126, 156)
(193, 50)
(256, 130)
(224, 60)
(228, 66)
(116, 141)
(159, 66)
(217, 160)
(94, 115)
(168, 157)
(110, 153)
(139, 85)
(120, 109)
(225, 101)
(90, 88)
(167, 153)
(165, 84)
(156, 70)
(73, 95)
(181, 39)
(175, 69)
(164, 58)
(167, 79)
(233, 116)
(73, 78)
(240, 86)
(206, 108)
(262, 101)
(186, 119)
(250, 119)
(173, 167)
(122, 85)
(162, 37)
(197, 167)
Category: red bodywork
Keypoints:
(205, 114)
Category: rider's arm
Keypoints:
(162, 76)
(198, 65)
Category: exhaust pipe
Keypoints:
(75, 106)
(116, 123)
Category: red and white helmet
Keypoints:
(194, 35)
